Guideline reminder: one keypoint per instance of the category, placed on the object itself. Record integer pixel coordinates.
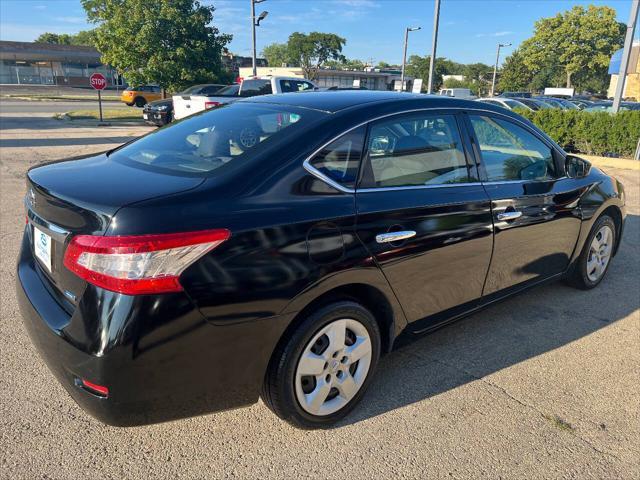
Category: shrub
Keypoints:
(591, 133)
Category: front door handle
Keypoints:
(510, 215)
(394, 236)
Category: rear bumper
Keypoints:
(160, 359)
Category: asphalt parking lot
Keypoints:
(545, 385)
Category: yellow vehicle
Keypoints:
(141, 95)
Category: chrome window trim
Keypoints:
(338, 186)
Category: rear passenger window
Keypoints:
(340, 160)
(288, 86)
(510, 152)
(416, 150)
(251, 88)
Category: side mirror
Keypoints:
(576, 167)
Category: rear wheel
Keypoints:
(321, 371)
(140, 102)
(593, 263)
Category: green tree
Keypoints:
(276, 54)
(515, 75)
(168, 42)
(84, 37)
(577, 43)
(310, 52)
(418, 67)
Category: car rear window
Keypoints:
(210, 141)
(251, 88)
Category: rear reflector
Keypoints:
(95, 388)
(141, 264)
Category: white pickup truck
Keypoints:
(185, 105)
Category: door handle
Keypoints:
(510, 215)
(394, 236)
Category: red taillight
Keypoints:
(139, 264)
(211, 104)
(95, 388)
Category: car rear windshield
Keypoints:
(228, 90)
(251, 88)
(215, 139)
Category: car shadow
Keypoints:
(520, 328)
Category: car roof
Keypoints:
(333, 101)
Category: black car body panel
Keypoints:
(297, 241)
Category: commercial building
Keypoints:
(48, 64)
(370, 79)
(632, 82)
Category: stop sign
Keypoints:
(98, 81)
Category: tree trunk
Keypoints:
(568, 79)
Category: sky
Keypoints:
(469, 29)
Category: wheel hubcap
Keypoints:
(599, 253)
(333, 367)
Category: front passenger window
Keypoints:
(416, 150)
(509, 152)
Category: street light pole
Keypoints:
(626, 54)
(495, 67)
(434, 45)
(404, 55)
(254, 24)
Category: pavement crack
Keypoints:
(524, 404)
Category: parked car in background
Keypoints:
(462, 93)
(249, 87)
(581, 103)
(557, 103)
(141, 95)
(159, 112)
(179, 275)
(508, 103)
(534, 104)
(607, 106)
(515, 94)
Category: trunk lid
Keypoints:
(81, 196)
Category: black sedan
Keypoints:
(180, 274)
(159, 112)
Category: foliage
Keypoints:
(310, 52)
(346, 64)
(591, 133)
(477, 75)
(84, 37)
(168, 42)
(573, 48)
(276, 54)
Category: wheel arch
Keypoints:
(384, 309)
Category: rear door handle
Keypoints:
(510, 215)
(395, 236)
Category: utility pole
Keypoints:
(495, 67)
(626, 54)
(255, 23)
(434, 45)
(404, 55)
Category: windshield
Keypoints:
(209, 141)
(228, 90)
(192, 89)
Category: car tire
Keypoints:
(140, 102)
(317, 374)
(129, 104)
(594, 260)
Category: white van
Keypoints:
(463, 93)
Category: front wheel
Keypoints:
(319, 373)
(592, 265)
